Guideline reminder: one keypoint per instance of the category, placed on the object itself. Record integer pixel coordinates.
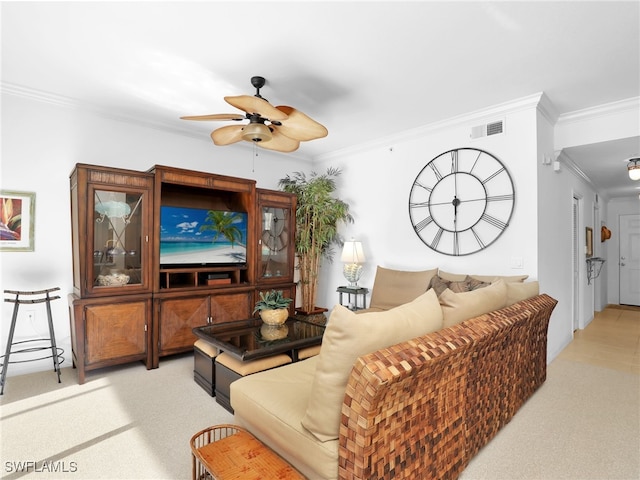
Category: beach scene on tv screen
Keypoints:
(200, 236)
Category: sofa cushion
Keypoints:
(392, 288)
(495, 278)
(271, 405)
(459, 277)
(347, 337)
(517, 291)
(458, 307)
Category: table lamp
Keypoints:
(352, 257)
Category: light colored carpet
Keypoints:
(123, 423)
(130, 423)
(583, 423)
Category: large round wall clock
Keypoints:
(461, 201)
(274, 233)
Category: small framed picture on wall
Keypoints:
(589, 248)
(17, 221)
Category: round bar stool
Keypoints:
(56, 352)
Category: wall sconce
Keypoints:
(352, 257)
(634, 168)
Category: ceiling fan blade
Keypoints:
(300, 126)
(279, 142)
(215, 116)
(227, 135)
(257, 105)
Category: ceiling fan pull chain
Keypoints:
(253, 158)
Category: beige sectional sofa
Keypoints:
(411, 388)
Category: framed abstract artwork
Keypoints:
(17, 221)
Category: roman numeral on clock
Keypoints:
(436, 240)
(423, 223)
(493, 221)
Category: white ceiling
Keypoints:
(366, 70)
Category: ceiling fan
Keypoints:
(278, 128)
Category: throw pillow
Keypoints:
(439, 284)
(474, 284)
(458, 307)
(349, 336)
(452, 277)
(517, 291)
(392, 288)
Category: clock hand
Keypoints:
(456, 202)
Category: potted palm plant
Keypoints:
(318, 215)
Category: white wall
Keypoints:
(376, 182)
(615, 208)
(41, 143)
(556, 190)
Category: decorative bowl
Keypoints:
(274, 317)
(113, 280)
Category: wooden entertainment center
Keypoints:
(126, 305)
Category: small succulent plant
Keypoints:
(272, 300)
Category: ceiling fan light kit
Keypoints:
(280, 128)
(634, 168)
(256, 132)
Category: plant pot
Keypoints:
(274, 317)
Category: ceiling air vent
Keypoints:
(493, 128)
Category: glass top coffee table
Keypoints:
(251, 339)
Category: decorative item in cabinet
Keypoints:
(106, 331)
(175, 318)
(275, 236)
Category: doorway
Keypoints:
(576, 251)
(629, 259)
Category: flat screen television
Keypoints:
(199, 236)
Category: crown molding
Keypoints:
(477, 116)
(630, 105)
(75, 104)
(573, 167)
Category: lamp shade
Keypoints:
(256, 132)
(352, 252)
(634, 168)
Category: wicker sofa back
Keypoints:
(423, 408)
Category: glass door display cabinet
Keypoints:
(276, 249)
(111, 228)
(110, 307)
